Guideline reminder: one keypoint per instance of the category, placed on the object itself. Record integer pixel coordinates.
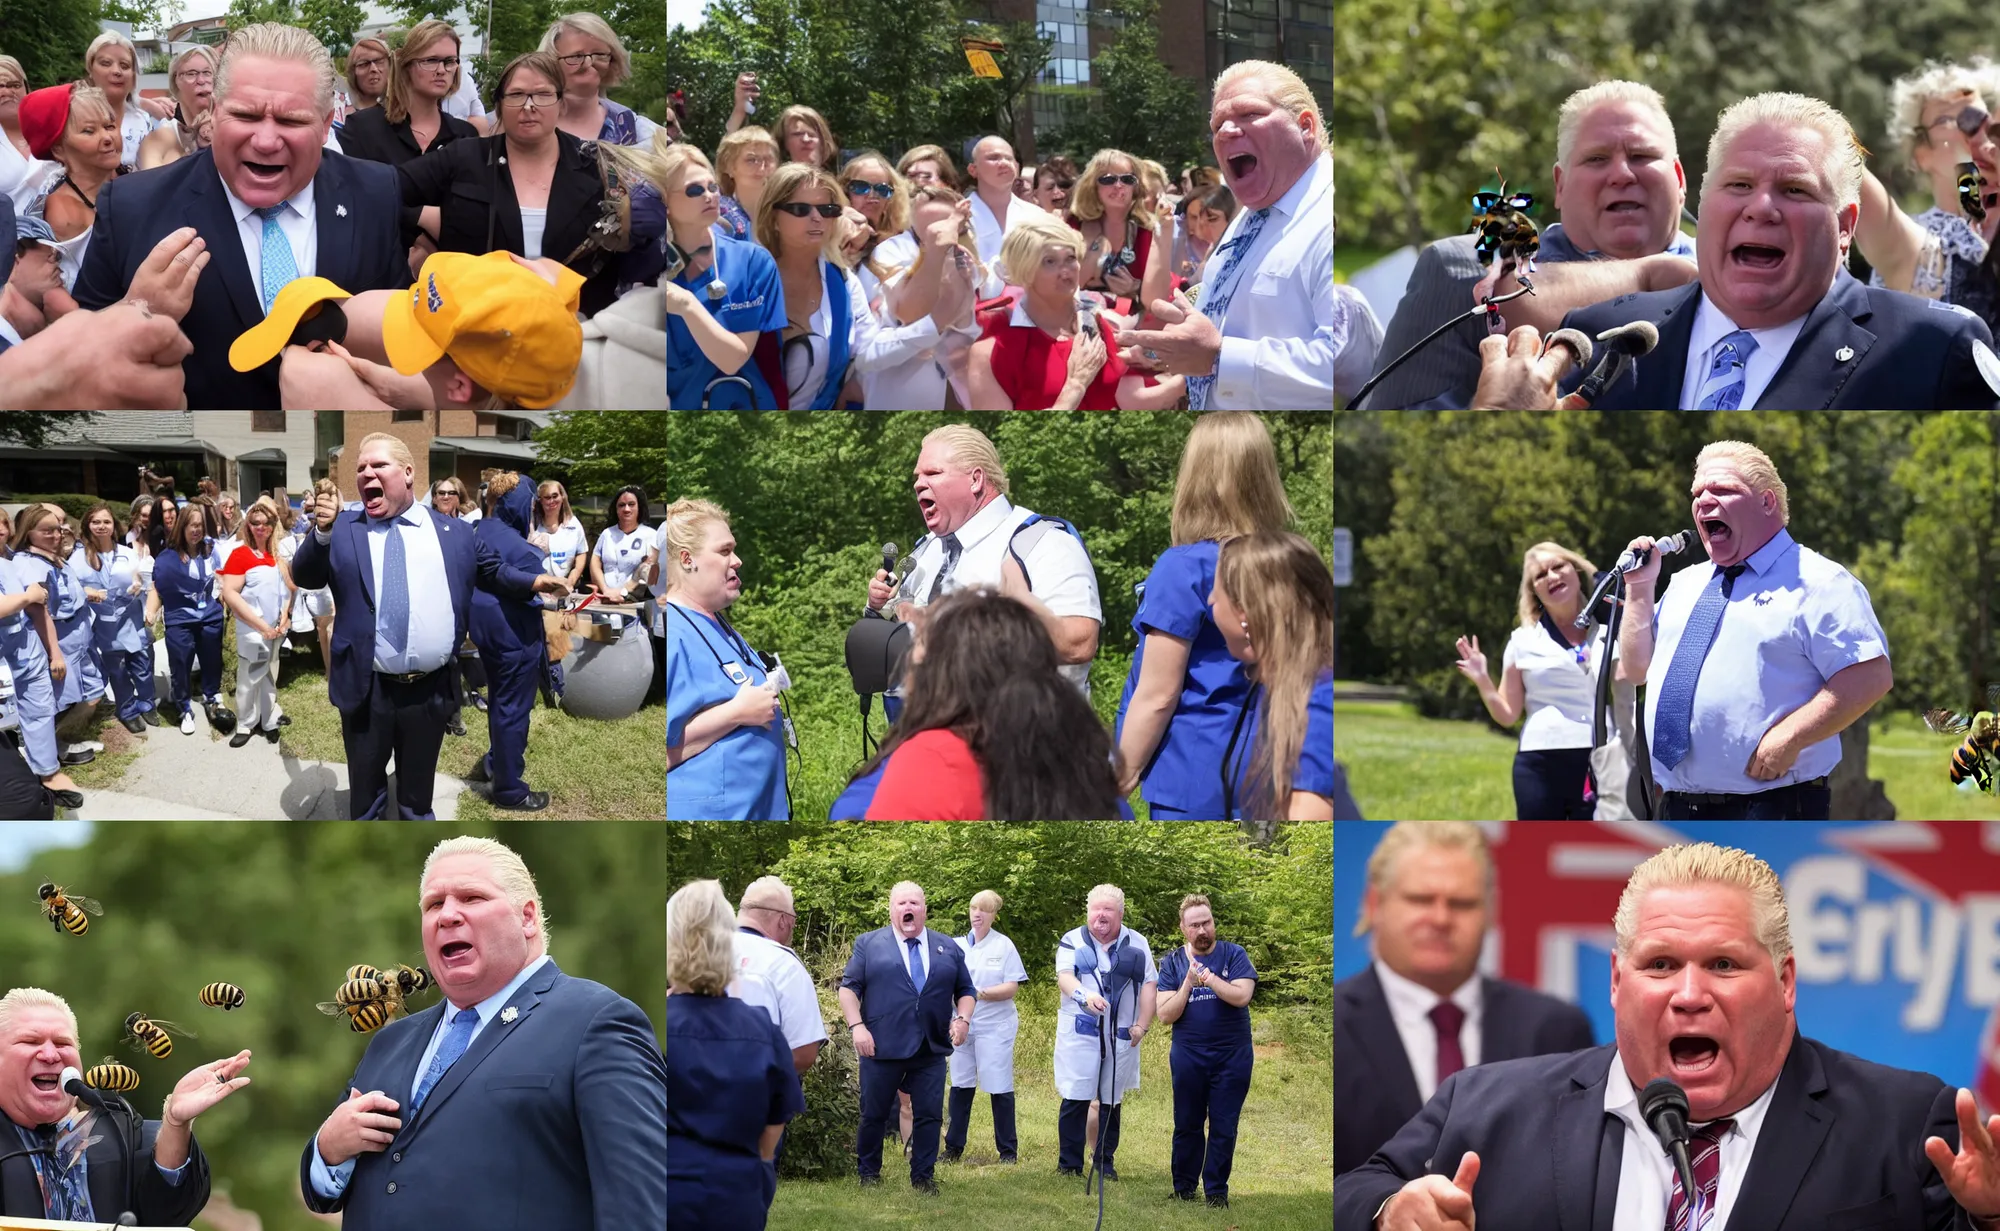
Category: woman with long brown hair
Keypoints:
(1273, 601)
(411, 121)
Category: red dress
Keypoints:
(1033, 367)
(932, 776)
(1142, 251)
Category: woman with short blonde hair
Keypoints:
(192, 86)
(593, 60)
(928, 164)
(1120, 230)
(367, 74)
(723, 295)
(743, 166)
(985, 1061)
(804, 136)
(111, 63)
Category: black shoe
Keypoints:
(220, 716)
(135, 725)
(952, 1156)
(928, 1188)
(1076, 1171)
(479, 703)
(271, 733)
(153, 719)
(1108, 1171)
(478, 772)
(455, 726)
(67, 799)
(871, 1181)
(239, 739)
(1219, 1200)
(77, 758)
(284, 720)
(1010, 1160)
(1184, 1194)
(535, 801)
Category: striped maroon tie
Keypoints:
(1447, 1018)
(1705, 1152)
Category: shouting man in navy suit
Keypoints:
(525, 1098)
(907, 998)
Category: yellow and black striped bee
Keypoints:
(410, 980)
(153, 1036)
(362, 970)
(1501, 221)
(68, 912)
(367, 1002)
(224, 996)
(113, 1076)
(1975, 757)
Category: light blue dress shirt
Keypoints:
(330, 1182)
(429, 644)
(297, 222)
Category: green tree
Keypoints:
(48, 38)
(143, 14)
(333, 22)
(31, 428)
(249, 12)
(1140, 107)
(606, 450)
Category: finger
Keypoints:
(1491, 348)
(57, 303)
(1971, 1132)
(1524, 341)
(1939, 1152)
(1468, 1173)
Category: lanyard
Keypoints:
(1230, 769)
(739, 675)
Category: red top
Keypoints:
(245, 558)
(1033, 367)
(932, 776)
(1142, 251)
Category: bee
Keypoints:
(1501, 221)
(366, 1002)
(224, 996)
(1972, 195)
(113, 1076)
(361, 970)
(68, 912)
(410, 979)
(1975, 757)
(153, 1036)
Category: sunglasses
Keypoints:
(1106, 181)
(859, 188)
(1491, 202)
(701, 190)
(799, 209)
(1969, 121)
(1059, 183)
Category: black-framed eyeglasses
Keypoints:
(436, 64)
(799, 209)
(355, 66)
(599, 58)
(196, 74)
(1969, 119)
(701, 190)
(1062, 184)
(861, 188)
(542, 100)
(1106, 181)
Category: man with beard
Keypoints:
(1205, 990)
(1797, 650)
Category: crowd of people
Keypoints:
(1758, 307)
(927, 1012)
(1227, 712)
(802, 275)
(269, 196)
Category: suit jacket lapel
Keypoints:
(215, 216)
(334, 215)
(1813, 371)
(1496, 1039)
(1577, 1147)
(523, 1002)
(570, 209)
(1660, 373)
(402, 1064)
(1795, 1127)
(446, 527)
(1375, 1029)
(357, 534)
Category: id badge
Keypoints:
(737, 675)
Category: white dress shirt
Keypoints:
(1710, 327)
(1646, 1174)
(297, 222)
(898, 365)
(923, 948)
(1278, 340)
(770, 976)
(429, 645)
(1558, 690)
(1410, 1004)
(989, 231)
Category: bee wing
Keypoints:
(175, 1028)
(1993, 696)
(332, 1008)
(89, 906)
(1944, 722)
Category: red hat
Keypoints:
(44, 115)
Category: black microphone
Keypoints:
(1666, 545)
(72, 1084)
(889, 561)
(1620, 347)
(1664, 1107)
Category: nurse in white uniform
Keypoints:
(1109, 983)
(985, 1061)
(624, 552)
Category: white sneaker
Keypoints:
(92, 745)
(187, 722)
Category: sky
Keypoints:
(20, 840)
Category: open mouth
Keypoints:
(373, 496)
(1625, 207)
(264, 170)
(1716, 531)
(1241, 165)
(46, 1082)
(1757, 256)
(926, 506)
(455, 949)
(1693, 1053)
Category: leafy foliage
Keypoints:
(1141, 107)
(48, 38)
(333, 22)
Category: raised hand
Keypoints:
(1433, 1203)
(1973, 1173)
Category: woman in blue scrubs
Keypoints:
(1185, 688)
(722, 296)
(184, 588)
(725, 737)
(731, 1086)
(110, 570)
(28, 640)
(1273, 601)
(42, 540)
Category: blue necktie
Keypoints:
(1215, 300)
(280, 266)
(1723, 389)
(393, 622)
(952, 548)
(1670, 722)
(916, 957)
(455, 1042)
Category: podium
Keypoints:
(43, 1224)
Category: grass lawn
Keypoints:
(1349, 259)
(1401, 766)
(1282, 1179)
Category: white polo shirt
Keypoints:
(770, 976)
(1558, 686)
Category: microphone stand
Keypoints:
(1489, 306)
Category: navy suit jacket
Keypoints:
(1861, 348)
(901, 1020)
(360, 249)
(344, 564)
(1841, 1148)
(156, 1202)
(1375, 1091)
(555, 1121)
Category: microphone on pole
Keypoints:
(72, 1084)
(1664, 1107)
(1666, 545)
(1618, 348)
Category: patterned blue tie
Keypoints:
(916, 956)
(1671, 735)
(1723, 390)
(449, 1050)
(1215, 300)
(393, 622)
(279, 265)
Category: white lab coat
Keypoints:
(1077, 1057)
(769, 975)
(986, 1058)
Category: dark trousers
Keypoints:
(1210, 1088)
(1802, 801)
(186, 642)
(1548, 785)
(22, 795)
(1070, 1120)
(923, 1075)
(129, 676)
(1004, 1139)
(513, 676)
(404, 718)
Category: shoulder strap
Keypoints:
(1032, 531)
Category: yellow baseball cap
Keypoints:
(501, 323)
(259, 344)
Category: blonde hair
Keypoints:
(180, 62)
(986, 900)
(496, 487)
(1841, 166)
(269, 508)
(33, 998)
(1286, 90)
(11, 65)
(1285, 592)
(107, 39)
(1228, 482)
(398, 448)
(676, 161)
(970, 448)
(1705, 863)
(1104, 893)
(929, 153)
(1570, 117)
(1758, 471)
(899, 886)
(509, 872)
(542, 489)
(1405, 836)
(687, 526)
(396, 89)
(896, 219)
(788, 179)
(1194, 899)
(734, 146)
(1530, 607)
(701, 944)
(83, 99)
(590, 25)
(766, 893)
(1937, 79)
(829, 149)
(1088, 206)
(387, 55)
(1022, 249)
(272, 41)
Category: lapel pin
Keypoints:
(1843, 354)
(340, 211)
(508, 1014)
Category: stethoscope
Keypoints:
(1230, 768)
(738, 676)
